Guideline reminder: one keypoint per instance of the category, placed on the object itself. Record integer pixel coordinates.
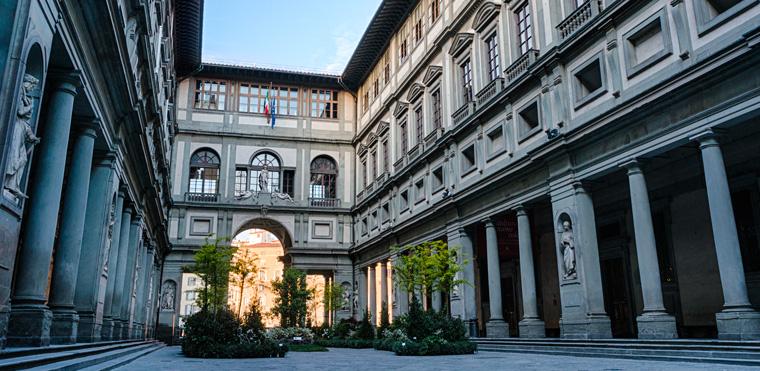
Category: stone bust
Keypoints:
(23, 135)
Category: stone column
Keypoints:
(135, 233)
(495, 327)
(100, 216)
(383, 289)
(402, 297)
(361, 288)
(119, 274)
(467, 291)
(372, 295)
(146, 264)
(66, 266)
(30, 319)
(112, 260)
(654, 322)
(531, 325)
(737, 320)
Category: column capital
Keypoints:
(521, 210)
(582, 186)
(488, 222)
(708, 138)
(633, 166)
(67, 80)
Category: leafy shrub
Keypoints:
(432, 346)
(384, 321)
(221, 335)
(365, 330)
(286, 335)
(346, 343)
(419, 324)
(342, 329)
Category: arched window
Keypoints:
(204, 172)
(265, 165)
(324, 173)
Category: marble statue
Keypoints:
(244, 196)
(346, 302)
(22, 135)
(167, 295)
(264, 180)
(283, 196)
(567, 245)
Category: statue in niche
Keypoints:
(346, 302)
(567, 246)
(109, 242)
(264, 180)
(167, 295)
(22, 136)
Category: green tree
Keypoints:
(385, 322)
(333, 299)
(243, 271)
(254, 320)
(431, 266)
(292, 296)
(212, 265)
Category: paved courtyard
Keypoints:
(170, 358)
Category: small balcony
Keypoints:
(491, 90)
(521, 65)
(463, 113)
(201, 197)
(578, 18)
(324, 202)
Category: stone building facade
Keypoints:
(87, 127)
(594, 161)
(234, 169)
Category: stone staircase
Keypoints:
(681, 350)
(96, 356)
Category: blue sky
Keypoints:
(313, 35)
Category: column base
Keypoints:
(497, 328)
(29, 326)
(118, 330)
(65, 326)
(124, 331)
(89, 330)
(106, 331)
(591, 327)
(532, 328)
(738, 325)
(656, 326)
(137, 331)
(472, 327)
(5, 314)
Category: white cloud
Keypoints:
(345, 43)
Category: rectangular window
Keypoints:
(210, 94)
(419, 124)
(492, 45)
(419, 190)
(466, 71)
(241, 181)
(528, 119)
(403, 51)
(252, 98)
(524, 28)
(385, 155)
(386, 213)
(376, 87)
(436, 97)
(288, 182)
(418, 31)
(404, 201)
(364, 172)
(373, 165)
(437, 179)
(324, 103)
(366, 101)
(435, 9)
(387, 70)
(403, 139)
(468, 159)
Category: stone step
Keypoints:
(629, 344)
(649, 357)
(46, 357)
(22, 351)
(124, 359)
(713, 351)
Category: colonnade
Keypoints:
(102, 260)
(582, 298)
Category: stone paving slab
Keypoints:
(170, 358)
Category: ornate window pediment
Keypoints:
(382, 128)
(401, 108)
(431, 74)
(362, 149)
(484, 15)
(415, 92)
(371, 139)
(461, 41)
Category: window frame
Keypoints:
(523, 135)
(274, 94)
(705, 24)
(468, 170)
(632, 67)
(201, 91)
(524, 28)
(326, 177)
(203, 166)
(581, 100)
(493, 55)
(316, 97)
